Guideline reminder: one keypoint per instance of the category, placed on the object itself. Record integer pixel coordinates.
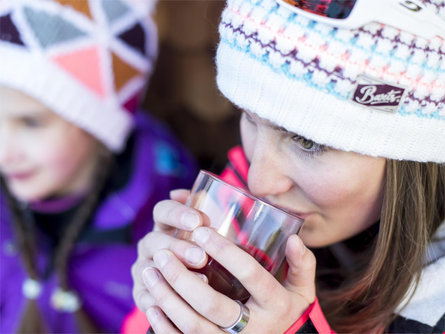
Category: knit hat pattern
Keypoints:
(86, 60)
(374, 90)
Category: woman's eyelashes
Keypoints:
(248, 118)
(304, 146)
(308, 146)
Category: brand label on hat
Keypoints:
(379, 95)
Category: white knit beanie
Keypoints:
(87, 60)
(374, 90)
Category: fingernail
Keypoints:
(175, 192)
(201, 235)
(161, 258)
(301, 246)
(203, 277)
(194, 255)
(153, 314)
(150, 276)
(189, 220)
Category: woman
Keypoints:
(343, 124)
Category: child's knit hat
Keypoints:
(87, 60)
(375, 90)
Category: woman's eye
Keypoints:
(308, 145)
(248, 118)
(305, 143)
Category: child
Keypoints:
(80, 166)
(343, 124)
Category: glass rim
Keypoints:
(252, 197)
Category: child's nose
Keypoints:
(267, 175)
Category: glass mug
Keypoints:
(256, 226)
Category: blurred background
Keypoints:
(182, 91)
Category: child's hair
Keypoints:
(86, 60)
(24, 227)
(312, 79)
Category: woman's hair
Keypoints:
(413, 208)
(32, 321)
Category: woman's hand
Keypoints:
(169, 215)
(187, 304)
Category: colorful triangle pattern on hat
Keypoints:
(135, 37)
(123, 72)
(132, 103)
(50, 29)
(9, 32)
(75, 64)
(78, 5)
(117, 10)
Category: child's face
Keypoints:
(41, 154)
(338, 193)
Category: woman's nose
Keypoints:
(267, 173)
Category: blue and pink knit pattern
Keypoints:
(330, 59)
(303, 75)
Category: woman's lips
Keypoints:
(298, 213)
(301, 215)
(295, 212)
(288, 209)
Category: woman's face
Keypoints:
(338, 193)
(41, 154)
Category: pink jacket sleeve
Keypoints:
(312, 321)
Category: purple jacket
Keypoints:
(99, 268)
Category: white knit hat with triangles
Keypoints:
(87, 60)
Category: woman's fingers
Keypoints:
(301, 273)
(141, 296)
(269, 299)
(195, 307)
(214, 306)
(180, 195)
(169, 215)
(159, 322)
(239, 263)
(175, 308)
(188, 252)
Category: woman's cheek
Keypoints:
(248, 138)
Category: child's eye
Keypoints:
(32, 122)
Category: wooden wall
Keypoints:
(183, 91)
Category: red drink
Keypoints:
(223, 281)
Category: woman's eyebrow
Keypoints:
(282, 129)
(272, 125)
